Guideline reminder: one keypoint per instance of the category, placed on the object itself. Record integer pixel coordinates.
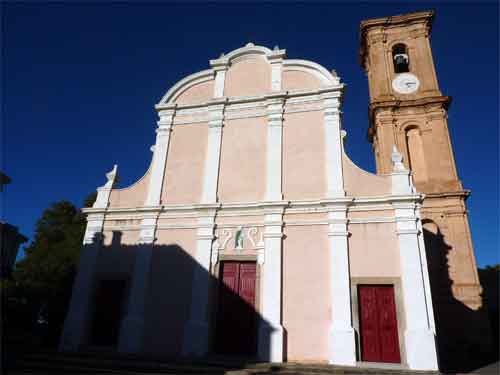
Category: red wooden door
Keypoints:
(378, 324)
(236, 317)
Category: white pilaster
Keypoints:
(270, 344)
(131, 338)
(333, 145)
(212, 161)
(419, 334)
(196, 330)
(76, 325)
(275, 104)
(160, 156)
(275, 58)
(342, 341)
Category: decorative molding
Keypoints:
(160, 154)
(274, 152)
(212, 160)
(104, 191)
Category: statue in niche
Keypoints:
(238, 239)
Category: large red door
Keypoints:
(378, 324)
(236, 317)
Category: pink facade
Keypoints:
(249, 167)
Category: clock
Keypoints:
(405, 83)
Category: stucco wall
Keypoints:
(374, 250)
(183, 182)
(249, 77)
(298, 80)
(243, 160)
(169, 298)
(116, 257)
(199, 93)
(304, 174)
(306, 305)
(360, 183)
(133, 195)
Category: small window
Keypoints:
(400, 59)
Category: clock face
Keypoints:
(405, 83)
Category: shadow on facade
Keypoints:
(464, 334)
(233, 323)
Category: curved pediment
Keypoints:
(249, 71)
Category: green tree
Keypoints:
(38, 294)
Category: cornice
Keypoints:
(425, 17)
(396, 104)
(259, 208)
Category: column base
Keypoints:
(342, 347)
(131, 334)
(69, 341)
(270, 343)
(195, 339)
(421, 350)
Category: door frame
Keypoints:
(398, 299)
(214, 295)
(99, 277)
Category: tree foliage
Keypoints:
(37, 295)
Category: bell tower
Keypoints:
(407, 109)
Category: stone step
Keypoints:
(111, 363)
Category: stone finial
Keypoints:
(276, 48)
(112, 177)
(221, 55)
(397, 159)
(250, 44)
(104, 191)
(343, 137)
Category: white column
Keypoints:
(220, 69)
(196, 330)
(274, 147)
(76, 325)
(270, 344)
(160, 156)
(215, 124)
(131, 338)
(333, 145)
(419, 336)
(342, 341)
(276, 61)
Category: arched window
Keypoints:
(400, 58)
(416, 157)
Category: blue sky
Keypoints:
(80, 81)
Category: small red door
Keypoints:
(378, 324)
(236, 317)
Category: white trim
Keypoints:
(156, 180)
(185, 83)
(220, 80)
(419, 335)
(341, 332)
(212, 160)
(310, 67)
(333, 145)
(196, 333)
(274, 146)
(77, 320)
(270, 341)
(132, 329)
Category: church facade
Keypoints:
(252, 234)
